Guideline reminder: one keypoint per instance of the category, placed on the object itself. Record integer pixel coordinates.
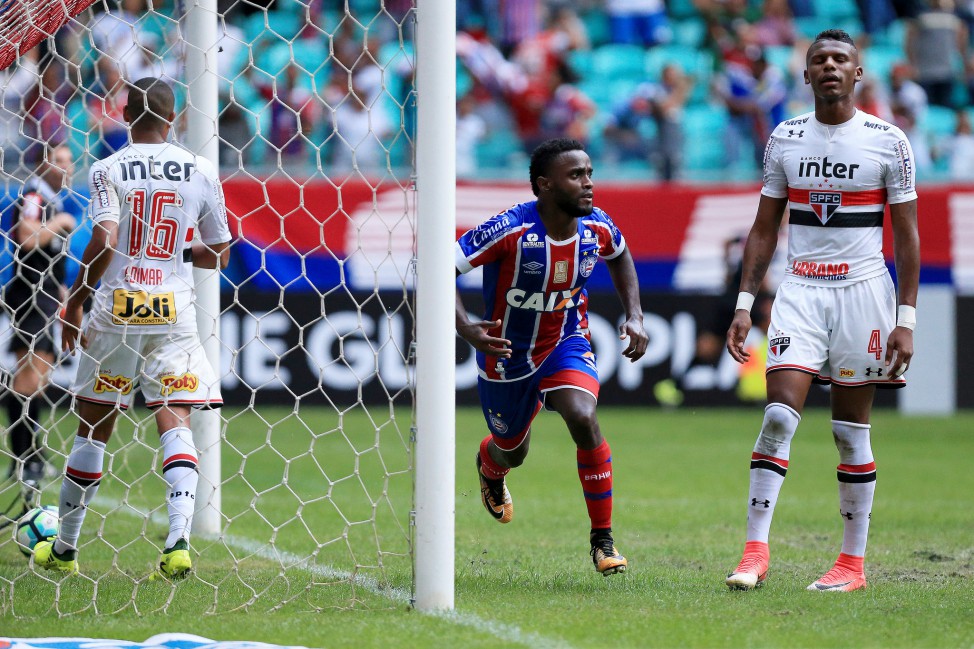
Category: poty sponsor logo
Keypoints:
(109, 383)
(846, 373)
(821, 271)
(543, 302)
(181, 383)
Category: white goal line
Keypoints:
(506, 632)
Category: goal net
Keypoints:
(313, 487)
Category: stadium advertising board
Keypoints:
(359, 233)
(358, 352)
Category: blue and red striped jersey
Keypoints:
(533, 284)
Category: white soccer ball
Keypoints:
(39, 524)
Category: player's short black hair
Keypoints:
(840, 35)
(547, 151)
(151, 101)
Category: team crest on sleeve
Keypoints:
(777, 346)
(824, 204)
(587, 265)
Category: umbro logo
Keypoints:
(532, 267)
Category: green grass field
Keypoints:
(680, 486)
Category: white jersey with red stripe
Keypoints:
(160, 195)
(838, 180)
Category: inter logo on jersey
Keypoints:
(824, 204)
(777, 346)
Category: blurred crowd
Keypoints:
(682, 89)
(692, 88)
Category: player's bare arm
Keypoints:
(97, 255)
(622, 270)
(476, 334)
(209, 256)
(762, 241)
(906, 256)
(37, 234)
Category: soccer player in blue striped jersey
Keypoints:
(533, 344)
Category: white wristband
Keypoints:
(744, 301)
(906, 317)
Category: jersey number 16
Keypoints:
(161, 231)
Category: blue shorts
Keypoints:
(510, 406)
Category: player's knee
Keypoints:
(515, 457)
(777, 430)
(850, 438)
(581, 421)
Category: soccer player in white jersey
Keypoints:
(147, 201)
(833, 317)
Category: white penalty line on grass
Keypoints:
(508, 633)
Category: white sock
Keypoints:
(179, 470)
(857, 484)
(79, 486)
(769, 464)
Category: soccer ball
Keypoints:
(39, 524)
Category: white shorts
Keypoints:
(170, 368)
(836, 333)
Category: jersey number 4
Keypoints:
(155, 235)
(875, 344)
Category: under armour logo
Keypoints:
(870, 371)
(791, 133)
(755, 502)
(845, 515)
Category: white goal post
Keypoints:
(289, 503)
(435, 304)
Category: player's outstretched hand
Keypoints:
(899, 351)
(476, 334)
(70, 317)
(638, 338)
(737, 334)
